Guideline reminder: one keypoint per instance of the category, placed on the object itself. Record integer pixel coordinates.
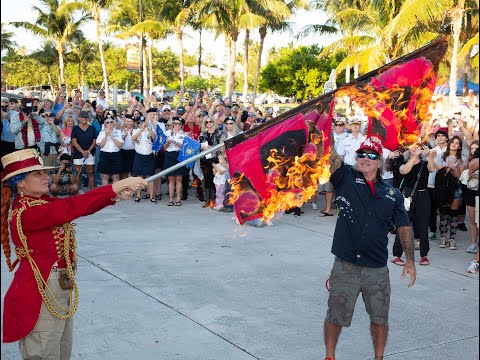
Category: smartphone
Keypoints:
(63, 86)
(69, 99)
(45, 87)
(201, 93)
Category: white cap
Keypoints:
(166, 107)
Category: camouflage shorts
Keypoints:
(347, 281)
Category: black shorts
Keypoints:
(143, 165)
(469, 197)
(110, 163)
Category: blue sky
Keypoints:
(21, 10)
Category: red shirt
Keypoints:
(193, 133)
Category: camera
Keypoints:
(45, 87)
(4, 108)
(201, 93)
(63, 86)
(69, 99)
(191, 103)
(27, 109)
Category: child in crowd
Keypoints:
(219, 180)
(63, 181)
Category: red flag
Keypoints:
(395, 98)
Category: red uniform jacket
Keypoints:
(23, 301)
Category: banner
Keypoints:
(133, 57)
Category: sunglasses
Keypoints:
(340, 125)
(177, 123)
(251, 114)
(108, 122)
(369, 155)
(167, 110)
(229, 123)
(208, 121)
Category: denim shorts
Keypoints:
(458, 194)
(347, 281)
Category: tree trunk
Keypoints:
(228, 44)
(182, 68)
(355, 70)
(347, 74)
(96, 16)
(200, 53)
(465, 74)
(61, 65)
(245, 64)
(263, 34)
(233, 62)
(150, 65)
(145, 78)
(457, 15)
(50, 81)
(79, 71)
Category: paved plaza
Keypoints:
(187, 283)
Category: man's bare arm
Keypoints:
(335, 159)
(405, 234)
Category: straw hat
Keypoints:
(22, 161)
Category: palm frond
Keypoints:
(467, 48)
(349, 43)
(414, 12)
(315, 29)
(357, 19)
(30, 27)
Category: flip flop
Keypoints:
(170, 203)
(178, 203)
(323, 214)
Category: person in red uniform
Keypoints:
(43, 296)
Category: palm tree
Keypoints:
(94, 7)
(56, 23)
(47, 56)
(276, 22)
(83, 52)
(7, 40)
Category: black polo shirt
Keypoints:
(362, 226)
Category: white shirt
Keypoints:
(386, 174)
(220, 178)
(438, 159)
(110, 145)
(102, 102)
(338, 138)
(143, 144)
(177, 138)
(127, 140)
(348, 147)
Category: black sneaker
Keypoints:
(297, 211)
(462, 227)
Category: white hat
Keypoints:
(166, 107)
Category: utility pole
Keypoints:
(141, 50)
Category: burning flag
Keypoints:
(278, 164)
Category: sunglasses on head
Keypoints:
(371, 156)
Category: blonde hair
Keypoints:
(68, 117)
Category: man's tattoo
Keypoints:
(405, 234)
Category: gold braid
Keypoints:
(68, 236)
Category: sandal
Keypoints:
(158, 197)
(170, 203)
(324, 213)
(178, 203)
(137, 200)
(153, 200)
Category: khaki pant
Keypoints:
(51, 339)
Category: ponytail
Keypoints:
(6, 198)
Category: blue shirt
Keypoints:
(56, 109)
(7, 135)
(361, 232)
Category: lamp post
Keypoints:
(141, 49)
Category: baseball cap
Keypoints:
(370, 144)
(178, 118)
(231, 118)
(443, 131)
(152, 110)
(166, 107)
(181, 110)
(83, 114)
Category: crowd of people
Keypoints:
(95, 144)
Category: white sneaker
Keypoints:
(472, 249)
(314, 206)
(453, 245)
(473, 267)
(443, 242)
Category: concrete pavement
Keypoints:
(160, 282)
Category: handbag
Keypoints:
(407, 200)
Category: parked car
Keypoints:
(27, 91)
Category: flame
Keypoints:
(407, 122)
